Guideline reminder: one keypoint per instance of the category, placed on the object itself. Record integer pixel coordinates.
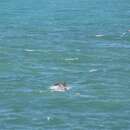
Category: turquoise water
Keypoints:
(85, 43)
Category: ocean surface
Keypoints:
(85, 43)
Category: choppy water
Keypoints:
(83, 42)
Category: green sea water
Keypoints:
(85, 43)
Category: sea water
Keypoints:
(85, 43)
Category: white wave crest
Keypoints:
(29, 50)
(92, 70)
(99, 35)
(71, 59)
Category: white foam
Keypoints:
(99, 35)
(72, 59)
(56, 88)
(29, 50)
(48, 118)
(123, 34)
(92, 70)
